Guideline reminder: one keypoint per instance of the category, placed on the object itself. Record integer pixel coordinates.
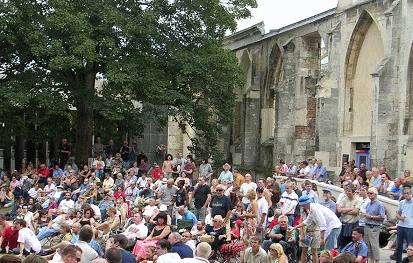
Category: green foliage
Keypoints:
(165, 54)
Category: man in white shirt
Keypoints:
(34, 191)
(85, 236)
(49, 189)
(163, 248)
(262, 211)
(66, 204)
(288, 202)
(325, 219)
(245, 187)
(27, 241)
(137, 230)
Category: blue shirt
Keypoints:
(406, 209)
(358, 249)
(376, 181)
(311, 195)
(330, 205)
(183, 250)
(127, 257)
(227, 176)
(93, 244)
(396, 190)
(190, 216)
(375, 208)
(321, 170)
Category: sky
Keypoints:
(279, 13)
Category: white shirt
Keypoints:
(88, 253)
(306, 170)
(66, 205)
(289, 202)
(142, 182)
(228, 191)
(29, 239)
(51, 188)
(169, 258)
(34, 193)
(96, 210)
(29, 219)
(245, 187)
(262, 209)
(135, 230)
(149, 210)
(324, 218)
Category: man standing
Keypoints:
(220, 204)
(405, 225)
(183, 250)
(167, 192)
(255, 254)
(357, 247)
(327, 200)
(239, 179)
(97, 148)
(262, 212)
(288, 202)
(324, 218)
(349, 207)
(245, 187)
(202, 196)
(226, 174)
(374, 217)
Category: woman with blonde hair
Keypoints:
(276, 254)
(251, 215)
(214, 185)
(326, 257)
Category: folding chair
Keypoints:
(184, 224)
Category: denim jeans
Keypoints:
(403, 234)
(46, 233)
(331, 239)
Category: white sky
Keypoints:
(279, 13)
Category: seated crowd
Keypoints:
(117, 212)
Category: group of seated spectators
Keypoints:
(117, 212)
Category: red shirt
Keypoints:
(44, 172)
(156, 173)
(10, 237)
(273, 223)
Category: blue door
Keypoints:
(363, 157)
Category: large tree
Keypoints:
(164, 53)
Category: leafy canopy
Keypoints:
(166, 54)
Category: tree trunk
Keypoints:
(84, 121)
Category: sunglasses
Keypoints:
(78, 259)
(220, 190)
(370, 193)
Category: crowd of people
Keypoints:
(120, 208)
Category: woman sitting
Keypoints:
(112, 221)
(276, 254)
(183, 178)
(87, 218)
(122, 207)
(160, 231)
(218, 231)
(119, 192)
(238, 212)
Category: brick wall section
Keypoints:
(311, 108)
(305, 132)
